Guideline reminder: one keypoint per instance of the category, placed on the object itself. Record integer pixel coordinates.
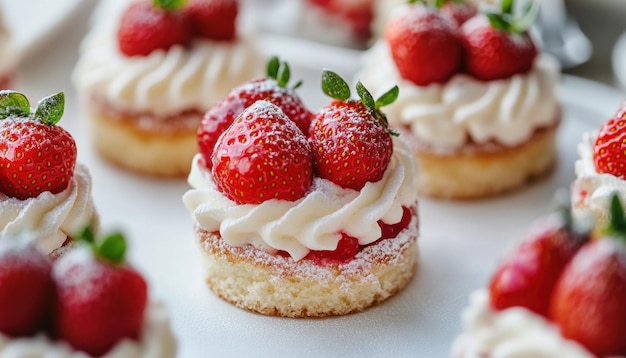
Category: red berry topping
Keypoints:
(213, 19)
(147, 26)
(262, 156)
(608, 151)
(350, 140)
(389, 231)
(527, 277)
(273, 89)
(35, 154)
(459, 11)
(26, 290)
(496, 48)
(347, 248)
(424, 45)
(589, 299)
(99, 301)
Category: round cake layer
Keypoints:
(275, 285)
(478, 171)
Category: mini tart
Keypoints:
(275, 285)
(476, 171)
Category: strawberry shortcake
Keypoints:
(42, 188)
(149, 70)
(477, 99)
(560, 294)
(88, 303)
(307, 223)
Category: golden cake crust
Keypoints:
(275, 285)
(477, 171)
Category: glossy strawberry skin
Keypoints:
(589, 300)
(262, 156)
(492, 54)
(527, 277)
(609, 145)
(213, 19)
(35, 157)
(97, 304)
(26, 291)
(220, 116)
(350, 147)
(145, 28)
(425, 46)
(347, 248)
(460, 12)
(389, 231)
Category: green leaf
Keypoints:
(13, 103)
(113, 247)
(50, 109)
(388, 97)
(498, 21)
(169, 5)
(507, 6)
(297, 85)
(528, 17)
(334, 86)
(439, 3)
(366, 96)
(284, 73)
(272, 67)
(86, 235)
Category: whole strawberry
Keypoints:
(527, 277)
(589, 300)
(497, 45)
(350, 139)
(610, 145)
(36, 155)
(26, 289)
(149, 25)
(99, 300)
(424, 45)
(262, 156)
(213, 19)
(273, 88)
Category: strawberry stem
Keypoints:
(169, 5)
(111, 248)
(13, 103)
(506, 20)
(50, 109)
(617, 219)
(334, 86)
(280, 72)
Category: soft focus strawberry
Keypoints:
(36, 155)
(424, 45)
(527, 277)
(357, 14)
(262, 156)
(589, 301)
(26, 289)
(608, 150)
(496, 47)
(458, 10)
(100, 300)
(213, 19)
(273, 88)
(146, 26)
(350, 139)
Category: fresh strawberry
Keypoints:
(347, 248)
(389, 231)
(35, 154)
(262, 156)
(589, 299)
(458, 10)
(26, 289)
(99, 299)
(496, 47)
(146, 26)
(424, 45)
(350, 139)
(273, 88)
(213, 19)
(527, 277)
(610, 145)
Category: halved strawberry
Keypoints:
(610, 144)
(36, 155)
(213, 19)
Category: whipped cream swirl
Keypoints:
(449, 115)
(310, 223)
(511, 333)
(51, 217)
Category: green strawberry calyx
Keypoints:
(49, 110)
(111, 247)
(280, 72)
(617, 219)
(504, 18)
(336, 87)
(169, 5)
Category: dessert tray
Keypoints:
(460, 242)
